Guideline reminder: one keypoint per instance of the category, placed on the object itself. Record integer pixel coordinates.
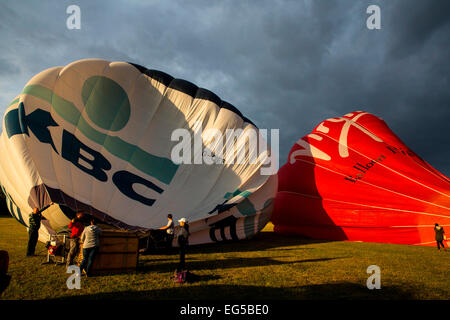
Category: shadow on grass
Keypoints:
(222, 264)
(332, 291)
(262, 241)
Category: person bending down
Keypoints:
(91, 243)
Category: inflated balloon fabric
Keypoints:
(96, 136)
(352, 178)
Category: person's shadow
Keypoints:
(230, 263)
(262, 241)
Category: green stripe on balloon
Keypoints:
(160, 168)
(246, 207)
(13, 102)
(245, 194)
(11, 205)
(249, 226)
(237, 192)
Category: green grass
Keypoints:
(269, 266)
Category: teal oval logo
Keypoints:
(106, 103)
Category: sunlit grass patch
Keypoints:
(269, 266)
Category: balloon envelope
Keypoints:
(99, 137)
(352, 178)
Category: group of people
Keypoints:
(89, 236)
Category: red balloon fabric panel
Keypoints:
(352, 178)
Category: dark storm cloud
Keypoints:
(7, 67)
(284, 64)
(417, 25)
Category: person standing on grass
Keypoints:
(91, 243)
(76, 227)
(183, 241)
(439, 236)
(34, 223)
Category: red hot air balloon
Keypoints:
(352, 178)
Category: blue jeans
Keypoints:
(88, 259)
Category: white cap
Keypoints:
(182, 220)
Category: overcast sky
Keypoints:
(284, 64)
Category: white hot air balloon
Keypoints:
(97, 136)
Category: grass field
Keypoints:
(268, 266)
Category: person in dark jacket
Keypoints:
(439, 236)
(76, 227)
(183, 241)
(34, 223)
